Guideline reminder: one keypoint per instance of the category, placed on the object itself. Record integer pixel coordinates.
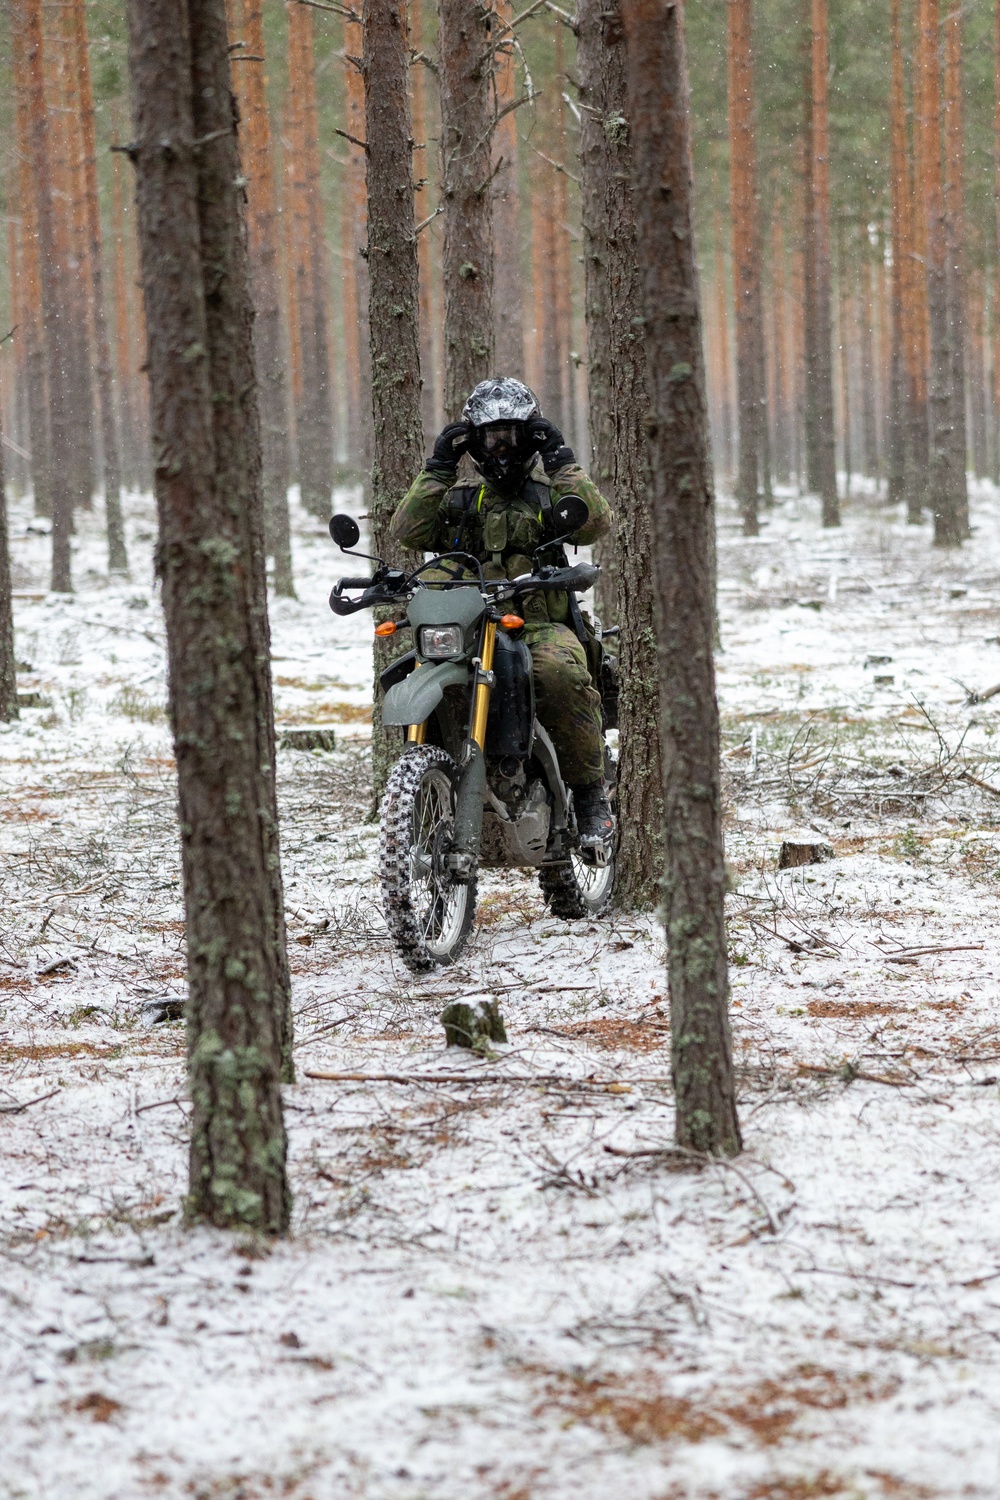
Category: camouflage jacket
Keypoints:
(500, 530)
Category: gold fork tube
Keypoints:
(416, 734)
(481, 707)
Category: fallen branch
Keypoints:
(539, 1080)
(15, 1109)
(160, 1104)
(910, 955)
(983, 786)
(974, 697)
(848, 1073)
(53, 968)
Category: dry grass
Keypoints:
(766, 1411)
(649, 1034)
(326, 713)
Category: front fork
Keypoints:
(416, 734)
(471, 796)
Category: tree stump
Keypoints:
(473, 1026)
(317, 738)
(794, 853)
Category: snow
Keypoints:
(485, 1295)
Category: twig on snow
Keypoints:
(15, 1109)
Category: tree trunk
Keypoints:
(394, 307)
(70, 224)
(8, 664)
(954, 196)
(681, 564)
(422, 211)
(211, 562)
(264, 234)
(35, 364)
(618, 413)
(901, 252)
(782, 405)
(314, 414)
(55, 310)
(746, 253)
(127, 399)
(508, 269)
(113, 519)
(948, 529)
(357, 244)
(467, 119)
(871, 458)
(819, 374)
(725, 454)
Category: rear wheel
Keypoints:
(428, 912)
(572, 888)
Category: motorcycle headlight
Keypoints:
(439, 642)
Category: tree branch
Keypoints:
(337, 10)
(352, 138)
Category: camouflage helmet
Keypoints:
(503, 441)
(500, 399)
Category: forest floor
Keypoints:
(500, 1289)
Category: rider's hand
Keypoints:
(552, 447)
(449, 446)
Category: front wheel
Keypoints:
(428, 912)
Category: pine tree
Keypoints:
(314, 408)
(954, 200)
(211, 559)
(63, 465)
(467, 118)
(395, 301)
(257, 158)
(508, 270)
(681, 557)
(618, 408)
(746, 257)
(8, 664)
(114, 520)
(820, 427)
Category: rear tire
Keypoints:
(427, 911)
(574, 889)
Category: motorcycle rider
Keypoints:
(525, 468)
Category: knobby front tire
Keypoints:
(428, 913)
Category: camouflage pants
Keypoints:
(566, 701)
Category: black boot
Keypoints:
(593, 814)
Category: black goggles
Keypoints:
(501, 437)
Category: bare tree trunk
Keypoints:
(820, 373)
(394, 308)
(659, 114)
(211, 561)
(8, 664)
(357, 244)
(900, 203)
(314, 415)
(954, 196)
(467, 119)
(113, 518)
(55, 310)
(35, 364)
(618, 412)
(508, 270)
(871, 458)
(264, 241)
(746, 254)
(62, 88)
(422, 211)
(948, 529)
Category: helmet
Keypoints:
(502, 444)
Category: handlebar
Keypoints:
(389, 590)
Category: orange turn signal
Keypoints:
(388, 627)
(511, 622)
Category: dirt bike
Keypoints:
(478, 782)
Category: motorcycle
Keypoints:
(478, 783)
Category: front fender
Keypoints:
(415, 698)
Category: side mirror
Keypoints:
(345, 531)
(570, 514)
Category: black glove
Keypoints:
(449, 446)
(552, 447)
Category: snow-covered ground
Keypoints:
(501, 1289)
